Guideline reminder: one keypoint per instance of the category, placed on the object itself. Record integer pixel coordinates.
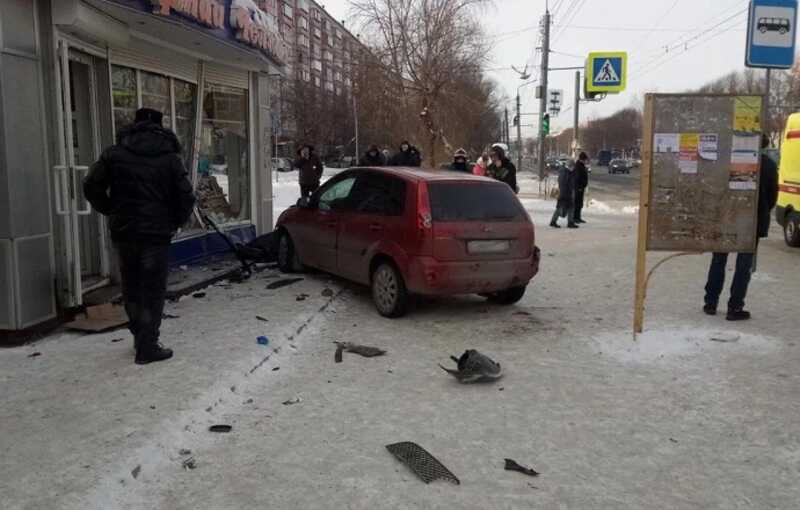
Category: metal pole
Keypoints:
(766, 122)
(543, 90)
(576, 121)
(505, 129)
(519, 134)
(355, 118)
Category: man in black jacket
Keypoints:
(581, 183)
(767, 197)
(502, 169)
(142, 185)
(566, 198)
(408, 155)
(372, 157)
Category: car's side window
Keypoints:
(379, 194)
(336, 197)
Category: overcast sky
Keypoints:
(705, 38)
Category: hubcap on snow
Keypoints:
(385, 288)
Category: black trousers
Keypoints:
(741, 279)
(144, 268)
(579, 203)
(306, 190)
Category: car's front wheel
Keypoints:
(508, 296)
(288, 261)
(389, 290)
(791, 230)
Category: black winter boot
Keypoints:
(152, 353)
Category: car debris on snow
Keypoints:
(363, 350)
(199, 295)
(262, 319)
(34, 354)
(475, 367)
(512, 465)
(302, 297)
(135, 471)
(292, 401)
(422, 463)
(262, 340)
(327, 292)
(222, 428)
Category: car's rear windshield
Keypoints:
(473, 201)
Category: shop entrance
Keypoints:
(86, 260)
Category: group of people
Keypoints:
(572, 184)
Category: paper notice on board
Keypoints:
(744, 162)
(687, 155)
(709, 146)
(666, 142)
(747, 114)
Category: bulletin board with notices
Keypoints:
(700, 172)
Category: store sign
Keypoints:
(240, 20)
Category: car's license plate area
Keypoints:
(488, 247)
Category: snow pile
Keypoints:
(597, 206)
(679, 344)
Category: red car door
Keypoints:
(318, 230)
(378, 201)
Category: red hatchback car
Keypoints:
(409, 231)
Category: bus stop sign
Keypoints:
(606, 72)
(771, 34)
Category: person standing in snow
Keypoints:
(566, 198)
(141, 184)
(581, 183)
(408, 155)
(310, 168)
(460, 162)
(502, 169)
(372, 157)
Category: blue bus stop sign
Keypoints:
(771, 33)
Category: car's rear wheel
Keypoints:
(288, 261)
(389, 290)
(791, 230)
(508, 296)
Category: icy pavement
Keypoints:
(698, 413)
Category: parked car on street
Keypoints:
(282, 164)
(619, 166)
(405, 231)
(604, 158)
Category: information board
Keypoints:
(700, 174)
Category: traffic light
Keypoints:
(546, 124)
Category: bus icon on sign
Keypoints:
(780, 25)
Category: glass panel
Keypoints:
(155, 95)
(223, 170)
(123, 85)
(184, 113)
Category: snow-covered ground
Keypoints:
(697, 413)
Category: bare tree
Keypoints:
(427, 46)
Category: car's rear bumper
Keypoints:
(429, 276)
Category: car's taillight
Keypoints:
(424, 218)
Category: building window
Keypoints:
(328, 74)
(302, 22)
(224, 172)
(317, 32)
(329, 86)
(328, 55)
(316, 64)
(124, 90)
(315, 14)
(156, 95)
(302, 5)
(303, 41)
(306, 75)
(316, 81)
(287, 11)
(337, 76)
(185, 96)
(338, 34)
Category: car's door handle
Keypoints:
(376, 227)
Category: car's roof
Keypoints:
(423, 174)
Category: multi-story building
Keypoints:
(320, 58)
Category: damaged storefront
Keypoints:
(72, 73)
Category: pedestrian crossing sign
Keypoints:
(606, 72)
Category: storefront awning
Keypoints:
(234, 40)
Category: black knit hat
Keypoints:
(148, 115)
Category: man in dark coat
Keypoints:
(460, 162)
(372, 157)
(142, 185)
(310, 168)
(581, 183)
(767, 197)
(408, 155)
(502, 169)
(566, 198)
